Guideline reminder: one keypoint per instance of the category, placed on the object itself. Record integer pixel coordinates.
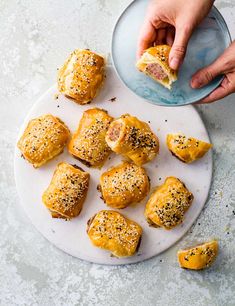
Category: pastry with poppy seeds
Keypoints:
(81, 76)
(198, 257)
(112, 231)
(187, 149)
(88, 142)
(168, 204)
(123, 185)
(67, 191)
(155, 63)
(44, 138)
(133, 139)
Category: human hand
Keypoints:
(172, 22)
(224, 64)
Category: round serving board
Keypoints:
(71, 236)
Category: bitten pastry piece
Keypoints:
(198, 257)
(133, 139)
(124, 184)
(88, 142)
(81, 76)
(187, 149)
(168, 204)
(43, 139)
(111, 231)
(154, 63)
(67, 191)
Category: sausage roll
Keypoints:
(88, 142)
(187, 149)
(111, 231)
(67, 191)
(124, 184)
(133, 139)
(154, 63)
(81, 76)
(168, 204)
(43, 139)
(198, 257)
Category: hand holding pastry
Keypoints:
(171, 22)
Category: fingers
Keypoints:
(161, 37)
(179, 47)
(226, 88)
(146, 38)
(207, 74)
(170, 34)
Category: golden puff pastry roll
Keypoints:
(187, 149)
(43, 139)
(133, 139)
(124, 184)
(88, 142)
(112, 231)
(155, 63)
(198, 257)
(168, 204)
(81, 76)
(67, 191)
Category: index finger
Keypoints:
(147, 37)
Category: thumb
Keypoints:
(207, 74)
(179, 47)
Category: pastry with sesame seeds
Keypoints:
(67, 191)
(123, 185)
(44, 138)
(168, 204)
(187, 149)
(88, 142)
(133, 139)
(112, 231)
(199, 257)
(81, 76)
(154, 63)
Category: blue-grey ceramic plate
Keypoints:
(206, 44)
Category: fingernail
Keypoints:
(174, 63)
(196, 83)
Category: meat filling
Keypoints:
(114, 132)
(156, 71)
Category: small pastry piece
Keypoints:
(154, 63)
(67, 191)
(88, 142)
(198, 257)
(81, 76)
(168, 204)
(44, 138)
(187, 149)
(124, 184)
(133, 139)
(111, 231)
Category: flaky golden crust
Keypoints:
(123, 185)
(44, 138)
(198, 257)
(168, 204)
(81, 76)
(111, 231)
(88, 142)
(187, 149)
(158, 55)
(67, 191)
(133, 139)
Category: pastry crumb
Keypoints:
(56, 96)
(113, 99)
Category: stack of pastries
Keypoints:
(97, 136)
